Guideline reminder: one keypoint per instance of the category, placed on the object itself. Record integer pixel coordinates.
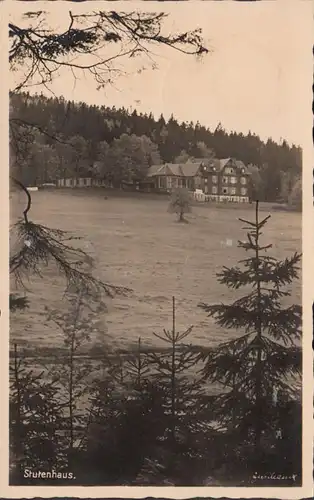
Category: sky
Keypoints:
(256, 77)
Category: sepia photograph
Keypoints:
(156, 202)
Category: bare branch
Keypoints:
(44, 53)
(29, 199)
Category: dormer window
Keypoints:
(214, 169)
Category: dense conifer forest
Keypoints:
(127, 142)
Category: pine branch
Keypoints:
(40, 245)
(277, 322)
(270, 271)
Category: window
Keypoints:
(225, 190)
(243, 191)
(214, 190)
(71, 182)
(233, 180)
(162, 182)
(229, 170)
(205, 180)
(243, 180)
(190, 183)
(225, 180)
(197, 182)
(85, 182)
(214, 179)
(232, 190)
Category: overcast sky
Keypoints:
(257, 76)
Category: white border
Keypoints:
(303, 13)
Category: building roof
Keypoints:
(156, 170)
(191, 168)
(220, 164)
(175, 169)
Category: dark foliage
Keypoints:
(142, 412)
(57, 122)
(16, 302)
(258, 370)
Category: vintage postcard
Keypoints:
(157, 338)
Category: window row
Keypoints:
(227, 180)
(231, 170)
(230, 191)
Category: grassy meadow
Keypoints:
(136, 243)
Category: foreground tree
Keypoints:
(180, 203)
(33, 410)
(187, 417)
(258, 370)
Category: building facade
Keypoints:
(170, 176)
(227, 178)
(218, 179)
(80, 182)
(208, 179)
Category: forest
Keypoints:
(73, 138)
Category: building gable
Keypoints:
(237, 166)
(156, 170)
(191, 169)
(175, 170)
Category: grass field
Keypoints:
(137, 244)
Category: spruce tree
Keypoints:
(35, 421)
(126, 419)
(257, 370)
(187, 431)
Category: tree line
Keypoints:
(119, 145)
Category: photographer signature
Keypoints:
(274, 476)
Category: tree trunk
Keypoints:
(258, 366)
(173, 374)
